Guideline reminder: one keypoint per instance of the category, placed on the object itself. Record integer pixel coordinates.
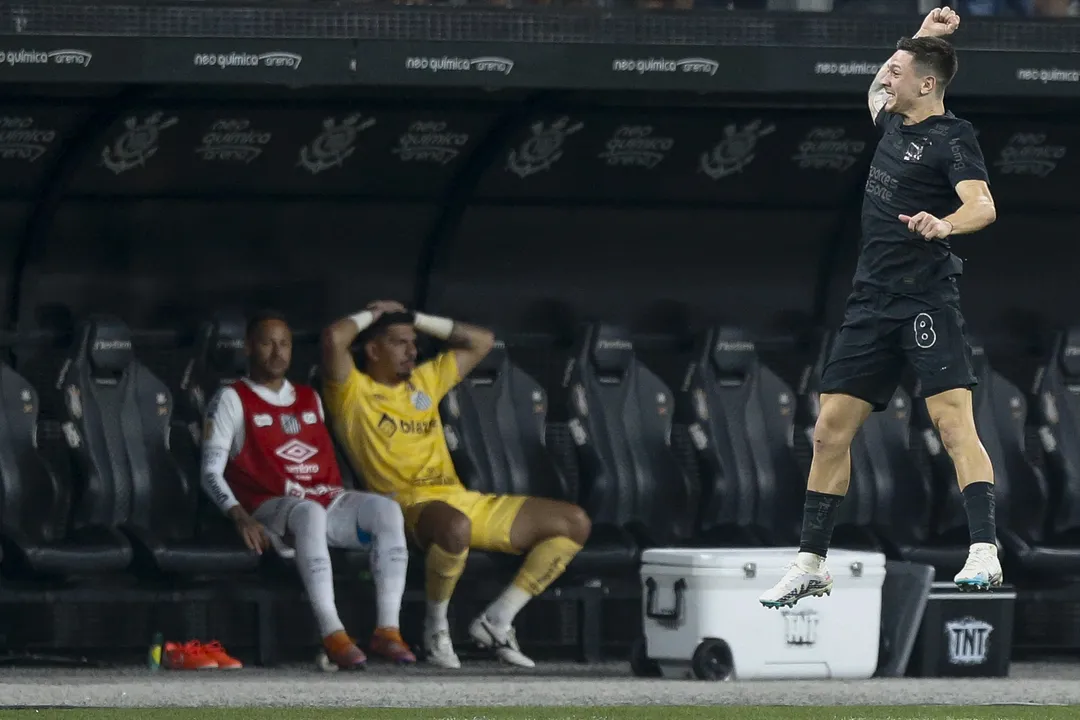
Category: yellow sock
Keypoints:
(443, 569)
(545, 563)
(542, 566)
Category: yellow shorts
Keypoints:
(491, 516)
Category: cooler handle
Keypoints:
(650, 601)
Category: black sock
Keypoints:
(819, 516)
(979, 504)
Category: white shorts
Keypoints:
(349, 520)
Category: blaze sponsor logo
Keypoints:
(390, 426)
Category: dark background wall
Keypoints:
(663, 213)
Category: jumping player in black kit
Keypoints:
(927, 183)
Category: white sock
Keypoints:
(437, 617)
(809, 561)
(307, 521)
(389, 565)
(505, 608)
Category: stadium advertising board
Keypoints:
(309, 62)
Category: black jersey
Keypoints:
(915, 169)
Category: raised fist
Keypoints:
(940, 22)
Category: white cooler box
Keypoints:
(703, 618)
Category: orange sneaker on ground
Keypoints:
(387, 642)
(216, 652)
(187, 656)
(342, 651)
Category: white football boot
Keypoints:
(982, 570)
(440, 651)
(503, 642)
(806, 577)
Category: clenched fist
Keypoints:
(940, 22)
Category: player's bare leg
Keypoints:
(830, 473)
(444, 533)
(551, 533)
(952, 415)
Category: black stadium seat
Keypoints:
(218, 360)
(1057, 416)
(495, 425)
(35, 501)
(620, 420)
(120, 414)
(741, 423)
(1020, 488)
(888, 502)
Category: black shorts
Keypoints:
(882, 333)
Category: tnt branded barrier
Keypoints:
(965, 634)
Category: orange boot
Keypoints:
(187, 656)
(386, 641)
(224, 661)
(342, 651)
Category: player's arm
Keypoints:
(224, 416)
(977, 209)
(337, 340)
(224, 419)
(966, 170)
(877, 96)
(470, 342)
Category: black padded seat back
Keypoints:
(218, 359)
(1019, 482)
(34, 504)
(1057, 415)
(494, 422)
(121, 413)
(620, 418)
(740, 419)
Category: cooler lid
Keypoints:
(761, 557)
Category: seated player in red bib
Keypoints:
(268, 463)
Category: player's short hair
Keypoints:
(258, 318)
(378, 328)
(932, 56)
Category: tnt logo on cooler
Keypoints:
(800, 627)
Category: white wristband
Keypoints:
(439, 327)
(362, 320)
